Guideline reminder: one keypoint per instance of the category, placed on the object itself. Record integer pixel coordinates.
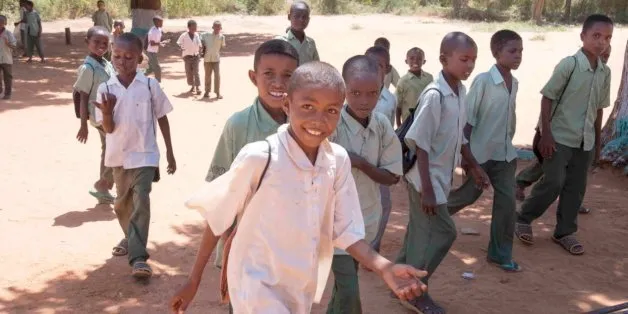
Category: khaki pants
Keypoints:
(153, 65)
(7, 79)
(191, 70)
(132, 207)
(106, 173)
(212, 67)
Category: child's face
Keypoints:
(597, 38)
(119, 28)
(363, 93)
(382, 62)
(98, 44)
(606, 55)
(192, 28)
(313, 113)
(271, 78)
(299, 17)
(158, 23)
(29, 7)
(510, 55)
(217, 28)
(415, 60)
(461, 62)
(101, 6)
(3, 23)
(126, 56)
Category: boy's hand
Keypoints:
(108, 103)
(482, 181)
(404, 281)
(356, 160)
(82, 134)
(428, 201)
(547, 145)
(172, 164)
(182, 299)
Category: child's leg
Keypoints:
(465, 195)
(208, 76)
(502, 176)
(2, 81)
(529, 175)
(31, 46)
(345, 297)
(150, 67)
(38, 45)
(195, 70)
(216, 67)
(188, 70)
(106, 173)
(386, 208)
(572, 193)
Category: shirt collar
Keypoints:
(139, 77)
(291, 36)
(354, 126)
(324, 159)
(444, 87)
(497, 76)
(265, 122)
(414, 76)
(584, 64)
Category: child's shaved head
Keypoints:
(299, 5)
(358, 65)
(316, 75)
(455, 40)
(415, 50)
(275, 47)
(131, 39)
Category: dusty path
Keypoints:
(56, 245)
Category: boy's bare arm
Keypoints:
(547, 145)
(381, 176)
(428, 199)
(479, 175)
(164, 126)
(398, 116)
(598, 134)
(107, 122)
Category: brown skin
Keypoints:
(126, 56)
(457, 66)
(595, 41)
(606, 55)
(415, 61)
(299, 18)
(362, 94)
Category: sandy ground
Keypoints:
(55, 252)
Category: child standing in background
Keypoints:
(190, 44)
(392, 76)
(33, 32)
(412, 84)
(299, 17)
(101, 17)
(154, 41)
(7, 45)
(212, 43)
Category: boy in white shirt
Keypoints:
(128, 107)
(152, 47)
(7, 45)
(190, 43)
(295, 200)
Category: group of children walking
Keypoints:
(324, 141)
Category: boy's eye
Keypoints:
(355, 93)
(332, 110)
(307, 106)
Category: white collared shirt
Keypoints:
(437, 129)
(387, 105)
(281, 255)
(190, 46)
(133, 143)
(154, 34)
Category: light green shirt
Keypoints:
(307, 49)
(6, 50)
(391, 78)
(588, 90)
(102, 18)
(408, 90)
(379, 145)
(249, 125)
(491, 112)
(437, 129)
(32, 23)
(90, 75)
(212, 43)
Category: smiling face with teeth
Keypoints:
(97, 42)
(415, 60)
(271, 78)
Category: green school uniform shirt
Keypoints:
(588, 90)
(91, 74)
(213, 43)
(103, 19)
(247, 126)
(408, 90)
(307, 49)
(32, 23)
(379, 145)
(491, 112)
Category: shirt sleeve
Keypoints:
(12, 40)
(395, 77)
(315, 57)
(348, 221)
(223, 154)
(558, 81)
(99, 92)
(606, 91)
(85, 79)
(224, 199)
(180, 40)
(390, 159)
(474, 99)
(426, 122)
(400, 94)
(161, 104)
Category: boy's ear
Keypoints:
(442, 59)
(252, 77)
(286, 104)
(582, 36)
(424, 61)
(141, 58)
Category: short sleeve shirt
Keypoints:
(437, 129)
(90, 75)
(387, 105)
(102, 19)
(6, 52)
(154, 34)
(191, 46)
(408, 90)
(32, 23)
(573, 123)
(491, 112)
(213, 43)
(307, 49)
(133, 142)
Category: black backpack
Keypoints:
(408, 156)
(76, 95)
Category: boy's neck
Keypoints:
(452, 82)
(363, 121)
(310, 153)
(592, 58)
(126, 80)
(276, 113)
(300, 35)
(96, 57)
(417, 73)
(504, 71)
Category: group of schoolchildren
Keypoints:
(299, 182)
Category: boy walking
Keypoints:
(438, 145)
(490, 129)
(570, 127)
(190, 44)
(102, 18)
(154, 42)
(7, 45)
(33, 32)
(412, 84)
(392, 76)
(212, 43)
(299, 17)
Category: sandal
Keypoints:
(141, 270)
(121, 249)
(102, 197)
(423, 304)
(584, 210)
(570, 243)
(510, 267)
(524, 233)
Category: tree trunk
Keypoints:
(537, 10)
(567, 15)
(614, 136)
(142, 13)
(457, 8)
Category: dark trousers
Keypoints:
(345, 297)
(191, 70)
(7, 78)
(34, 42)
(565, 175)
(212, 68)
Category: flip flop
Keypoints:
(141, 270)
(121, 249)
(524, 233)
(510, 267)
(423, 305)
(570, 244)
(103, 197)
(584, 210)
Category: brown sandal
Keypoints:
(524, 233)
(570, 243)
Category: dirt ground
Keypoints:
(55, 254)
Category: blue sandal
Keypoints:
(510, 267)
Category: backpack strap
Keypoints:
(261, 178)
(91, 88)
(152, 108)
(562, 93)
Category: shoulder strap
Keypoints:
(152, 108)
(261, 178)
(91, 88)
(575, 64)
